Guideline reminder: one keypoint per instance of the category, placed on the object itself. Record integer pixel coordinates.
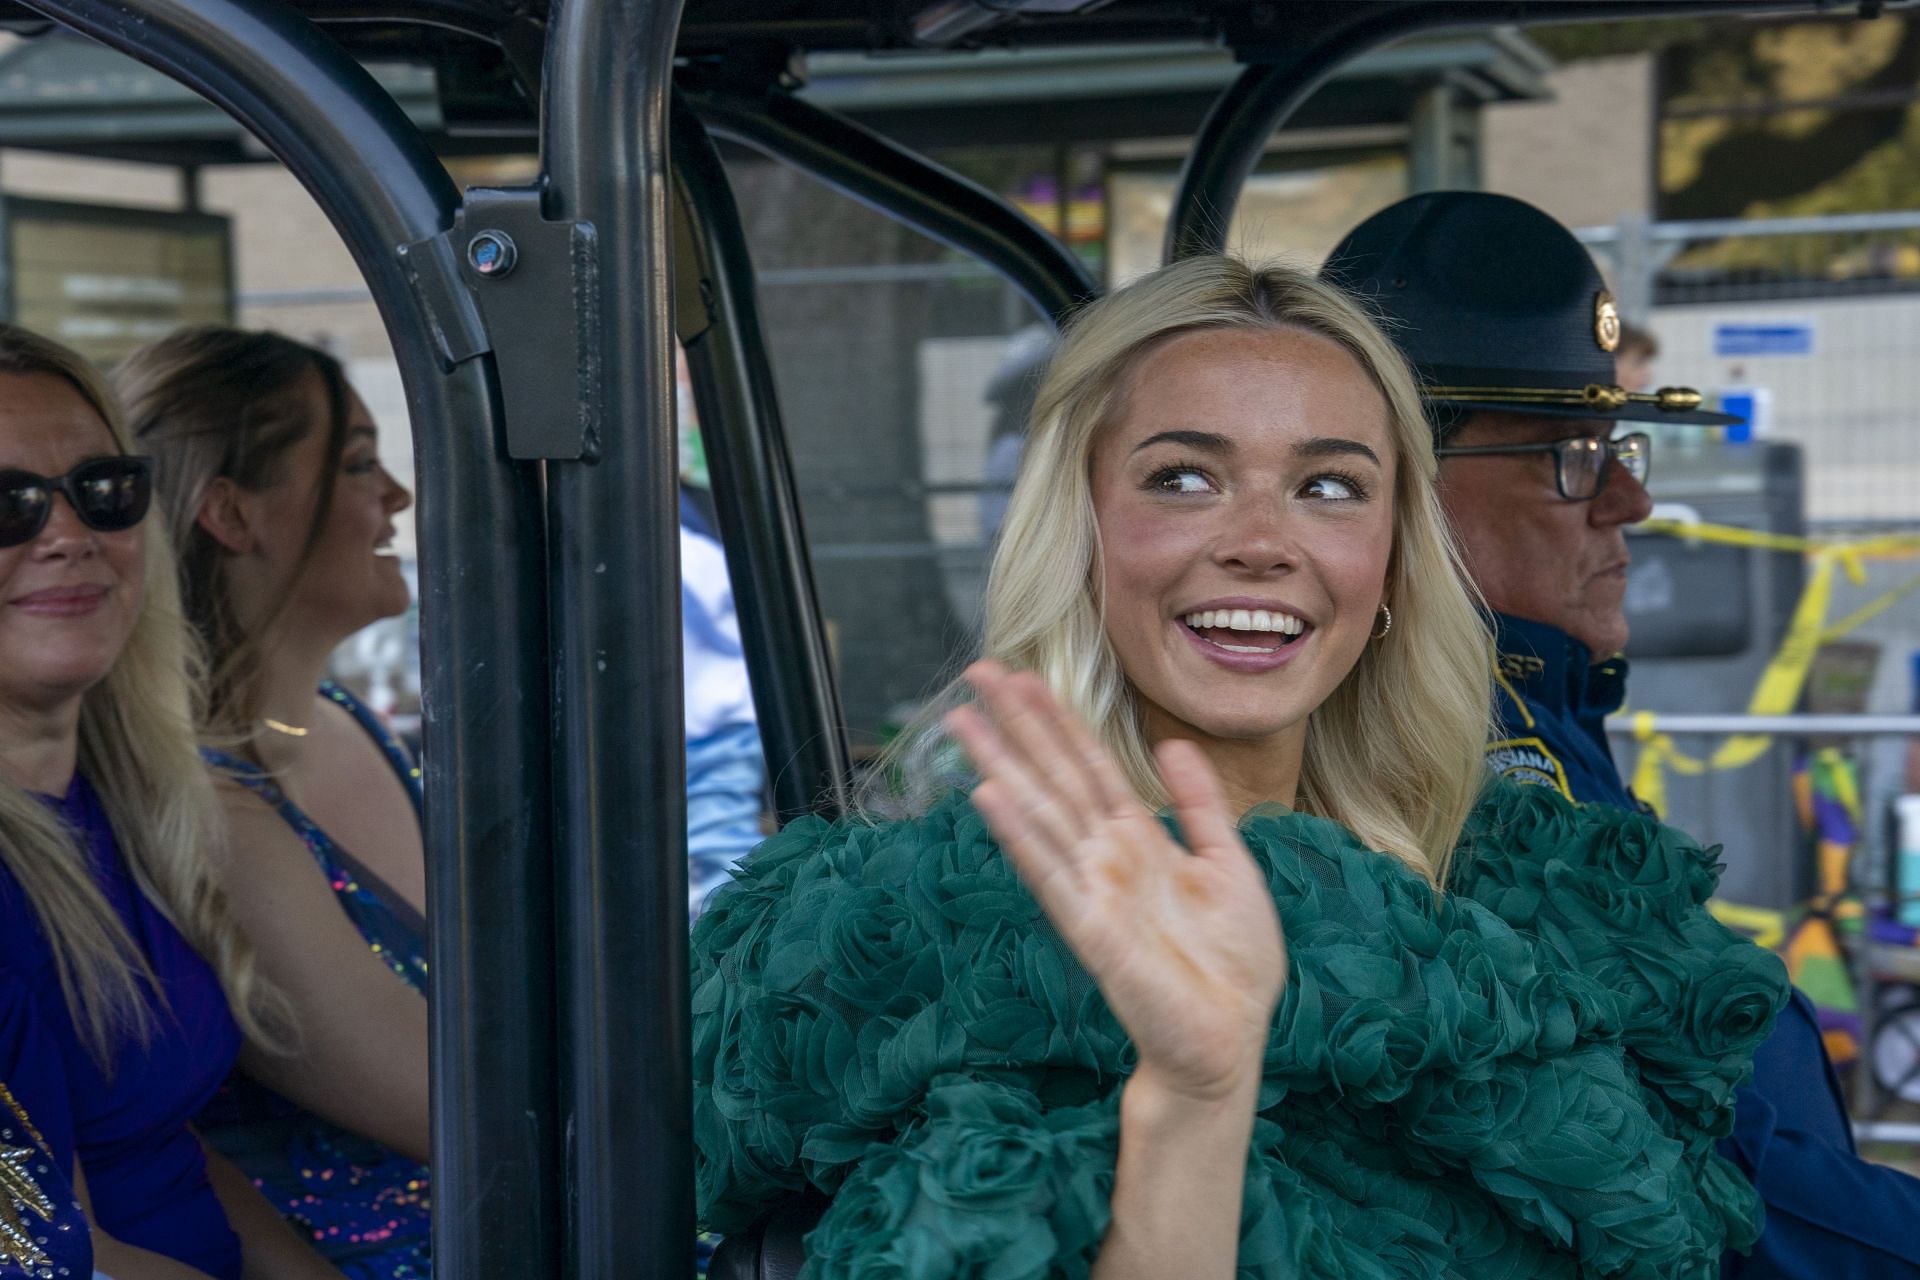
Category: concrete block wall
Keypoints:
(1586, 155)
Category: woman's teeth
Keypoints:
(1245, 630)
(1245, 620)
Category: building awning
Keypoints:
(60, 92)
(1124, 92)
(63, 93)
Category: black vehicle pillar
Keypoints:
(619, 770)
(1315, 43)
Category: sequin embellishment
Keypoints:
(20, 1195)
(366, 1209)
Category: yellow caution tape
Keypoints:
(1657, 752)
(1870, 610)
(1892, 545)
(1778, 690)
(1766, 928)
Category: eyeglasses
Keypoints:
(1580, 467)
(108, 494)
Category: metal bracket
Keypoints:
(504, 279)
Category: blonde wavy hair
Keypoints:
(1396, 752)
(138, 750)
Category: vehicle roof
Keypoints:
(906, 26)
(465, 70)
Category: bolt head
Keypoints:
(491, 254)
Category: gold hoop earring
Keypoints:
(1386, 623)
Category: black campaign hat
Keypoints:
(1498, 307)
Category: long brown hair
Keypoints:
(210, 402)
(137, 749)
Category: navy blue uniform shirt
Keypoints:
(1830, 1214)
(1553, 702)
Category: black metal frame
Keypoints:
(909, 188)
(718, 318)
(614, 577)
(1292, 49)
(554, 768)
(483, 614)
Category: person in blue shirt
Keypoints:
(726, 772)
(1512, 331)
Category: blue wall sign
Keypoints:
(1763, 339)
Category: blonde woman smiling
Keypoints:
(111, 913)
(1341, 1012)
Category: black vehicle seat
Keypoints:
(769, 1250)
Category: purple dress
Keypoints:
(43, 1233)
(146, 1172)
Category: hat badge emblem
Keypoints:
(1606, 321)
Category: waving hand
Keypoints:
(1184, 943)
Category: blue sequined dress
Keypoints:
(367, 1208)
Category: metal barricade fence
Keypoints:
(1877, 967)
(1812, 321)
(1809, 322)
(1758, 259)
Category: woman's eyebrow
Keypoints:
(1208, 441)
(1334, 446)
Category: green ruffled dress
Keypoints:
(1522, 1078)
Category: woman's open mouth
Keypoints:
(1246, 637)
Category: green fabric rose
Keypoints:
(1519, 1078)
(984, 1187)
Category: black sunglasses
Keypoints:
(1580, 467)
(108, 494)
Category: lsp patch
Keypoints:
(1527, 760)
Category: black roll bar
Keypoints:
(717, 314)
(907, 187)
(482, 611)
(619, 769)
(476, 18)
(1249, 111)
(1309, 41)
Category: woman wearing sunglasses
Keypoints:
(282, 516)
(111, 913)
(1201, 979)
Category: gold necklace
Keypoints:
(291, 730)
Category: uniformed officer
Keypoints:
(1512, 332)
